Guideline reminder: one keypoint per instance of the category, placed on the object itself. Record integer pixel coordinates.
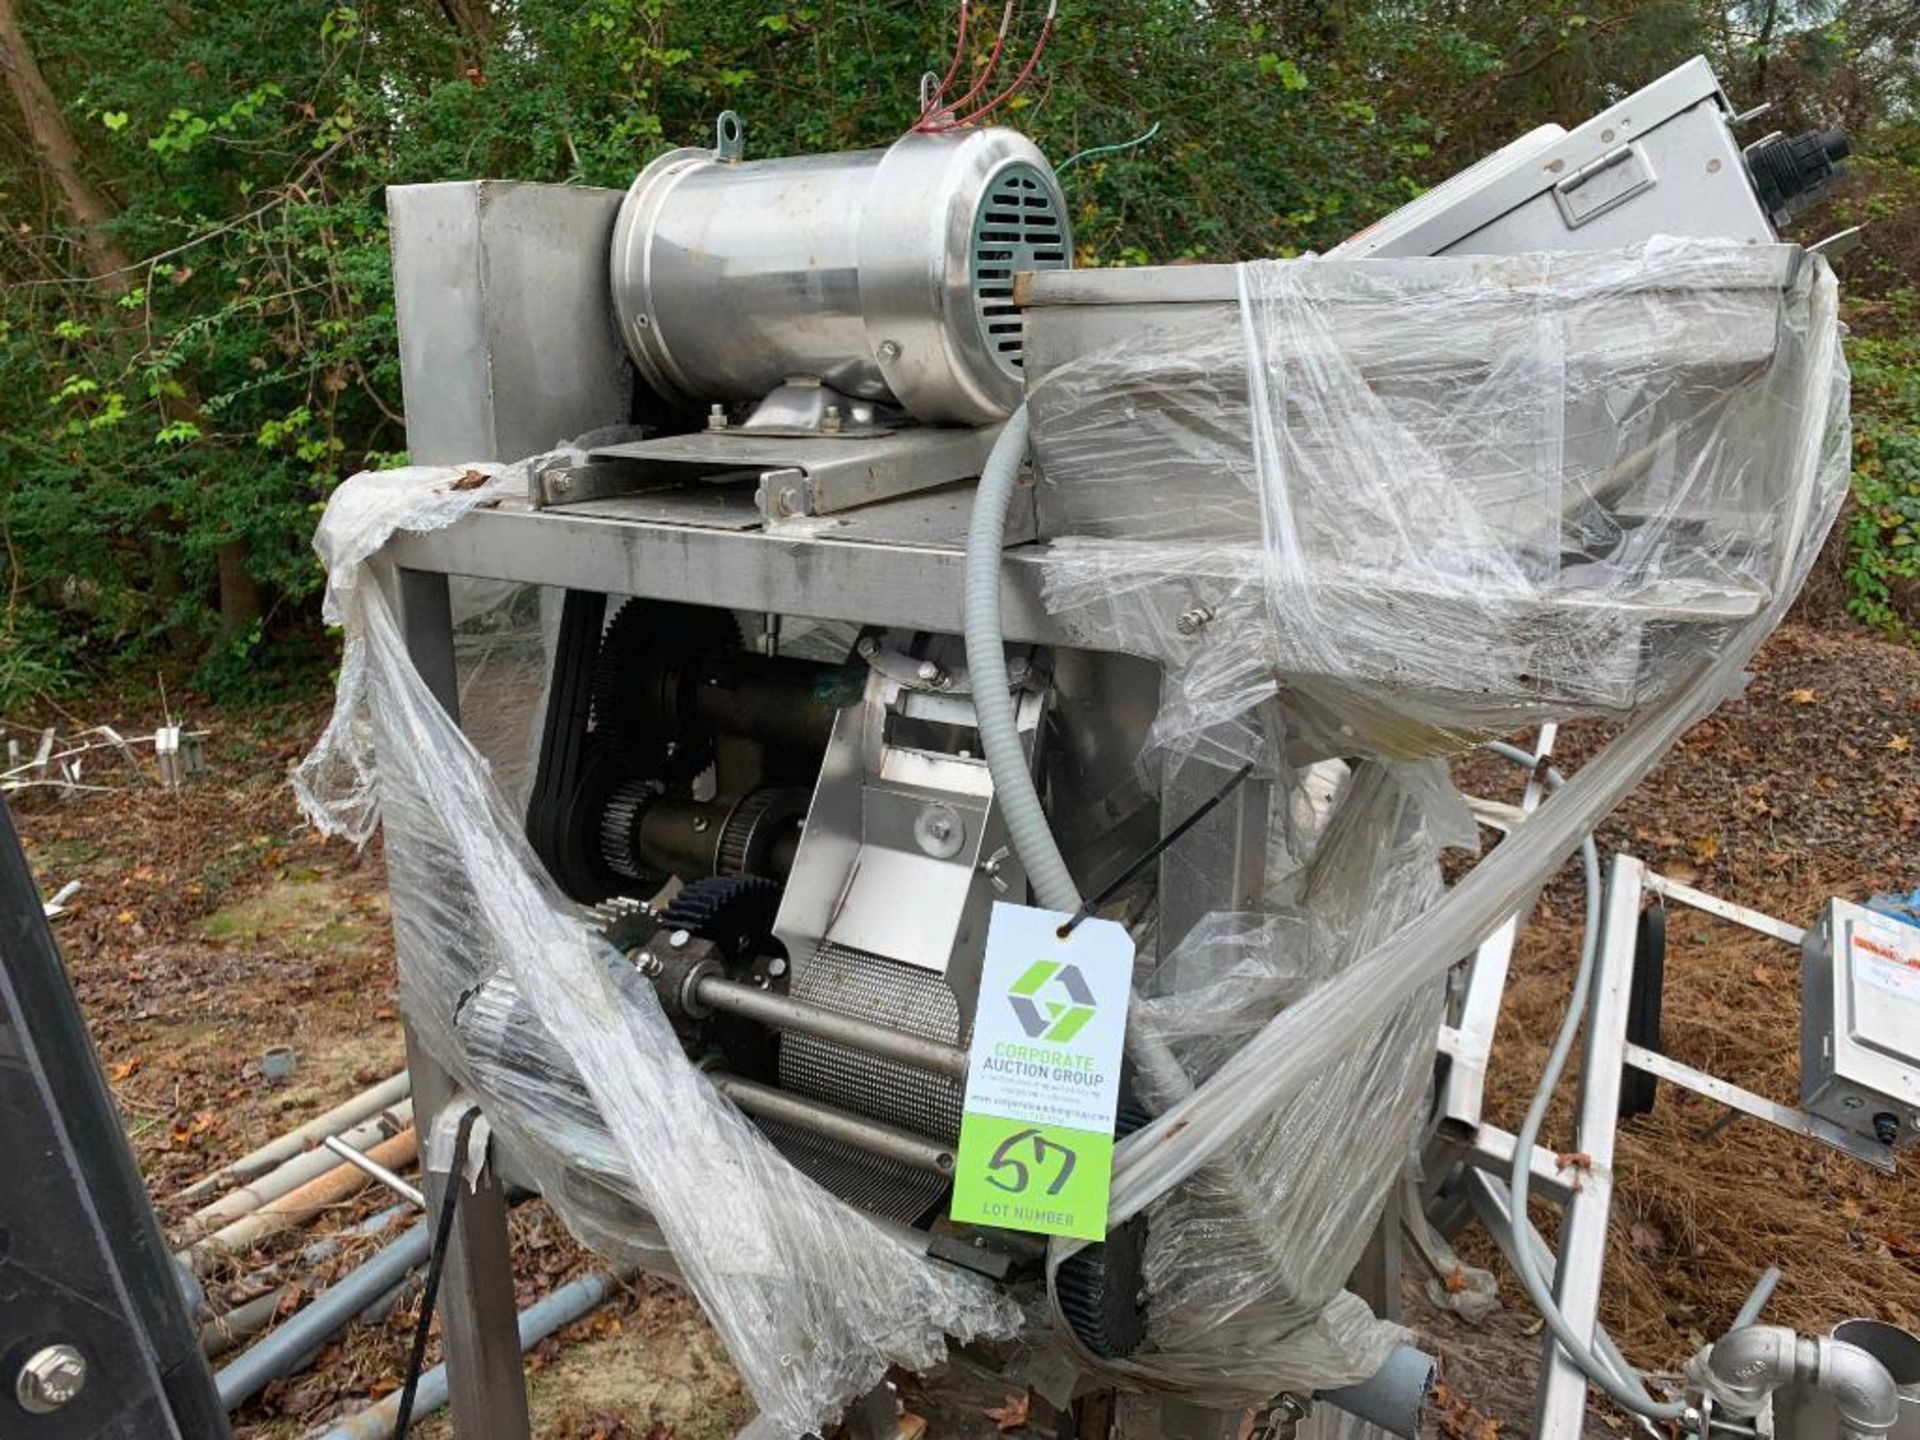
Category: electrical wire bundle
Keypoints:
(940, 115)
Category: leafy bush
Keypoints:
(183, 383)
(1883, 532)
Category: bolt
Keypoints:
(1193, 619)
(717, 417)
(787, 500)
(830, 419)
(889, 349)
(776, 967)
(560, 482)
(1854, 1102)
(930, 673)
(1886, 1127)
(1018, 670)
(700, 824)
(51, 1377)
(650, 964)
(940, 828)
(678, 939)
(867, 648)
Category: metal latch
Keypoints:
(1599, 185)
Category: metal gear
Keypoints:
(733, 913)
(747, 839)
(620, 829)
(637, 685)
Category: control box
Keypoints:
(1860, 1023)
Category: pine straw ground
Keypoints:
(214, 925)
(1804, 788)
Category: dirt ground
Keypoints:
(213, 925)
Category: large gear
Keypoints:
(638, 679)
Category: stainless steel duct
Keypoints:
(885, 274)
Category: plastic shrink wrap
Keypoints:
(813, 1300)
(1431, 499)
(1304, 1030)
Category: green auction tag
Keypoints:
(1043, 1076)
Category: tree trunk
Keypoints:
(53, 138)
(239, 592)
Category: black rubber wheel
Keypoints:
(1638, 1089)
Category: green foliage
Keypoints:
(1883, 532)
(169, 429)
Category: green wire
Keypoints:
(1073, 160)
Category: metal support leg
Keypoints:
(1583, 1238)
(478, 1316)
(1376, 1275)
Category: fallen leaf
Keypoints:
(1012, 1415)
(1899, 744)
(1803, 697)
(1705, 848)
(1647, 1238)
(471, 480)
(123, 1070)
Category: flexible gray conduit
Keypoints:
(1013, 787)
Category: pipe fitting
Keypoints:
(1743, 1368)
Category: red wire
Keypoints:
(959, 54)
(993, 60)
(1026, 71)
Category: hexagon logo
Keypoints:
(1044, 1017)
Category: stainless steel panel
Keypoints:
(827, 474)
(819, 575)
(507, 343)
(1663, 161)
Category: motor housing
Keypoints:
(886, 275)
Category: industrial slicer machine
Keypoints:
(710, 643)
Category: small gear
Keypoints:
(747, 839)
(640, 679)
(733, 913)
(620, 829)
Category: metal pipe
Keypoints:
(1763, 1289)
(227, 1330)
(291, 1174)
(835, 1124)
(378, 1171)
(537, 1321)
(1744, 1367)
(281, 1351)
(296, 1207)
(783, 1012)
(371, 1101)
(1393, 1396)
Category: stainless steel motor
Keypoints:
(884, 274)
